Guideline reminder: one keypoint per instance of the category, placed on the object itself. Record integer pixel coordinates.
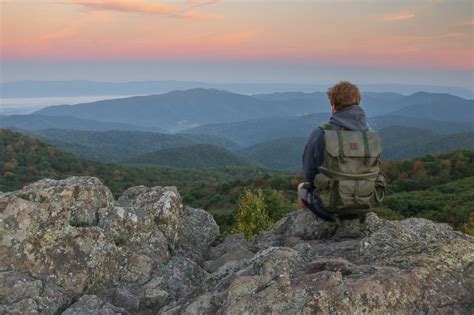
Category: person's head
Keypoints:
(343, 94)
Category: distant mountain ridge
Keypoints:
(179, 110)
(251, 132)
(40, 122)
(443, 107)
(420, 104)
(34, 88)
(168, 111)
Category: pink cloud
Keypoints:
(135, 6)
(399, 17)
(75, 27)
(140, 6)
(200, 3)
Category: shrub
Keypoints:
(252, 215)
(276, 204)
(388, 214)
(469, 226)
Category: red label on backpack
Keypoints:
(353, 146)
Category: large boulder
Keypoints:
(304, 266)
(49, 230)
(62, 239)
(68, 246)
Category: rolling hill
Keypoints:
(443, 107)
(120, 145)
(172, 111)
(39, 122)
(251, 132)
(317, 102)
(198, 156)
(397, 142)
(434, 106)
(444, 127)
(281, 154)
(425, 145)
(25, 159)
(179, 110)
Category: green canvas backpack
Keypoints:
(350, 180)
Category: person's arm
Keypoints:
(310, 156)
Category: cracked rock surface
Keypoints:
(68, 247)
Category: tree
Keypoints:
(252, 215)
(276, 204)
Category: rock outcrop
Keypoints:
(67, 246)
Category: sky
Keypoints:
(297, 41)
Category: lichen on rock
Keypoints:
(72, 235)
(67, 245)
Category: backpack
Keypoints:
(350, 180)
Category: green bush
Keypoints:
(388, 214)
(276, 204)
(252, 215)
(469, 226)
(452, 203)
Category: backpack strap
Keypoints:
(326, 126)
(366, 147)
(340, 144)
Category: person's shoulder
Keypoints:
(316, 135)
(317, 132)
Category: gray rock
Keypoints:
(73, 239)
(125, 299)
(198, 231)
(304, 265)
(68, 240)
(22, 294)
(93, 305)
(233, 248)
(153, 294)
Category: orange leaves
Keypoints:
(419, 168)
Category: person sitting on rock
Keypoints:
(341, 160)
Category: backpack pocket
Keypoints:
(324, 189)
(346, 195)
(355, 194)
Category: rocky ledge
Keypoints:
(68, 247)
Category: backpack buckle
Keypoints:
(367, 159)
(342, 158)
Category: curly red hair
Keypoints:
(344, 94)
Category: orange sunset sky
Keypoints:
(424, 41)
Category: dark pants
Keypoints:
(305, 193)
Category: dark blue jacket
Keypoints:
(350, 118)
